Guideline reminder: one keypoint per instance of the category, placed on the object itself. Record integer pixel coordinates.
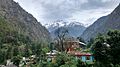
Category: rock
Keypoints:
(22, 21)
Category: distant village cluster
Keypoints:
(73, 47)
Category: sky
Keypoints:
(83, 11)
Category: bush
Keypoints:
(16, 60)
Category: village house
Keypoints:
(73, 47)
(72, 44)
(85, 57)
(51, 56)
(76, 48)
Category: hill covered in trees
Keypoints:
(22, 21)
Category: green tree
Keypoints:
(16, 60)
(100, 50)
(106, 48)
(113, 40)
(2, 59)
(80, 63)
(90, 43)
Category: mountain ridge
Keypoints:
(22, 21)
(103, 25)
(75, 29)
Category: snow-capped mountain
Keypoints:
(75, 24)
(52, 26)
(74, 28)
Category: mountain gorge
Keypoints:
(75, 29)
(103, 25)
(22, 21)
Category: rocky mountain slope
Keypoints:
(75, 29)
(22, 21)
(103, 24)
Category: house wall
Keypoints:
(84, 58)
(91, 58)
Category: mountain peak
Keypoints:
(61, 23)
(76, 24)
(75, 28)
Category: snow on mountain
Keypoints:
(61, 23)
(75, 28)
(56, 24)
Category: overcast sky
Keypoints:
(84, 11)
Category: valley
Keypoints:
(26, 42)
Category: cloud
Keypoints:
(96, 4)
(60, 9)
(80, 10)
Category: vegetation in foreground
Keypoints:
(15, 46)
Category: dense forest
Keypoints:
(14, 46)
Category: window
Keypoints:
(87, 57)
